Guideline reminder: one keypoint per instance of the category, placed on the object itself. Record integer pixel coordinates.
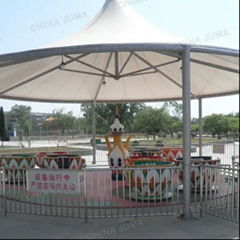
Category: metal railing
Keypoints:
(219, 150)
(139, 192)
(100, 196)
(222, 199)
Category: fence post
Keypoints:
(1, 188)
(233, 192)
(4, 192)
(85, 198)
(94, 132)
(201, 187)
(200, 125)
(51, 204)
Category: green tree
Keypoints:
(63, 121)
(233, 123)
(194, 129)
(22, 115)
(216, 125)
(175, 126)
(105, 114)
(174, 108)
(152, 121)
(3, 133)
(80, 125)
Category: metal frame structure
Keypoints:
(143, 44)
(179, 51)
(168, 49)
(187, 131)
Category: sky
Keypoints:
(28, 24)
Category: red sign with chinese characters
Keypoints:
(53, 181)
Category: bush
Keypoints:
(159, 143)
(179, 135)
(5, 139)
(135, 143)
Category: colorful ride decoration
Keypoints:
(149, 179)
(148, 159)
(196, 162)
(169, 153)
(61, 161)
(146, 153)
(15, 163)
(118, 152)
(172, 153)
(41, 156)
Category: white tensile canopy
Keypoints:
(118, 57)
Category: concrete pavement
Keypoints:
(161, 227)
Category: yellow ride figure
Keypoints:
(118, 152)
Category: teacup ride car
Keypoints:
(146, 153)
(15, 165)
(172, 153)
(41, 156)
(149, 178)
(62, 161)
(208, 180)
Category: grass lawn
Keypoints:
(179, 141)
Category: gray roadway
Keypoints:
(161, 227)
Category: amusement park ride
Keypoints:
(146, 172)
(149, 174)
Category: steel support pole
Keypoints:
(94, 131)
(186, 75)
(200, 125)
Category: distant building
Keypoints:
(12, 124)
(41, 117)
(11, 128)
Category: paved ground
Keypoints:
(164, 227)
